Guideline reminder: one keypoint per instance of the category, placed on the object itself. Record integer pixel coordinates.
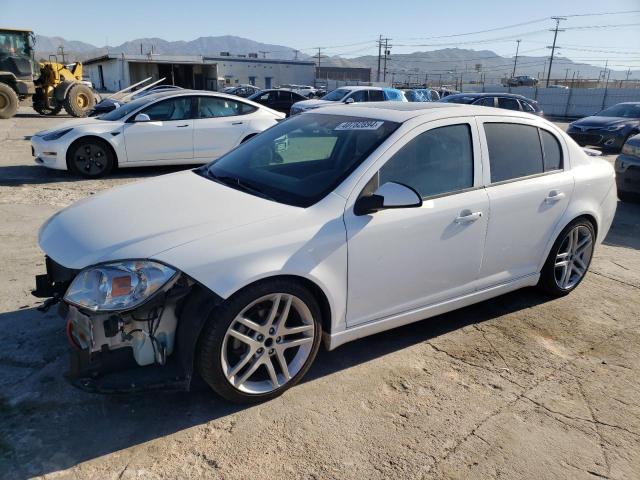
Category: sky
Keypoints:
(351, 28)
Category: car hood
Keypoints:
(310, 104)
(76, 122)
(596, 121)
(143, 219)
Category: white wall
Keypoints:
(115, 76)
(239, 72)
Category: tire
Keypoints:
(577, 260)
(220, 352)
(90, 158)
(8, 101)
(79, 100)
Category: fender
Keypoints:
(62, 90)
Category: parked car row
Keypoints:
(508, 101)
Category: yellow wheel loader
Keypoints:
(51, 85)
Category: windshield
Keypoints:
(15, 44)
(300, 160)
(336, 95)
(621, 110)
(124, 110)
(457, 99)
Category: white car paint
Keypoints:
(377, 271)
(158, 142)
(306, 105)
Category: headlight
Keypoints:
(631, 150)
(118, 285)
(615, 128)
(57, 134)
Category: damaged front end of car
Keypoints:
(132, 325)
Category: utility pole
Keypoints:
(387, 53)
(295, 53)
(515, 60)
(379, 54)
(264, 53)
(566, 74)
(319, 57)
(553, 47)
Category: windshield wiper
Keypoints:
(237, 183)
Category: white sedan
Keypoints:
(333, 225)
(168, 128)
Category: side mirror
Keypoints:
(142, 117)
(349, 100)
(389, 195)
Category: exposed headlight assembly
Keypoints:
(615, 128)
(56, 134)
(118, 285)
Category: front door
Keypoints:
(403, 259)
(220, 126)
(528, 190)
(168, 135)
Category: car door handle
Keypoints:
(554, 196)
(467, 216)
(236, 123)
(182, 126)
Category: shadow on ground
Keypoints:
(625, 229)
(18, 175)
(68, 433)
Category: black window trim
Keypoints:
(526, 177)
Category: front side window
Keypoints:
(508, 103)
(485, 102)
(526, 107)
(215, 107)
(336, 95)
(514, 151)
(359, 96)
(302, 159)
(172, 109)
(437, 161)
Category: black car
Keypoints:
(242, 90)
(508, 101)
(628, 170)
(609, 128)
(280, 100)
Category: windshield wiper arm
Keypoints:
(235, 182)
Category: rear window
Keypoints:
(551, 150)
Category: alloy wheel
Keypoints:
(90, 159)
(267, 343)
(573, 257)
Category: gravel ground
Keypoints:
(516, 387)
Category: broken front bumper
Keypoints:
(106, 347)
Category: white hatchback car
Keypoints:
(334, 224)
(167, 128)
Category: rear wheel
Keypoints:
(8, 101)
(79, 100)
(91, 158)
(260, 342)
(569, 258)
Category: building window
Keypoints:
(252, 81)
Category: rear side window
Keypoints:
(485, 102)
(526, 107)
(514, 151)
(508, 103)
(437, 161)
(552, 151)
(376, 96)
(214, 107)
(520, 150)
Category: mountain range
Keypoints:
(445, 64)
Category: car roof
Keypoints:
(488, 94)
(402, 111)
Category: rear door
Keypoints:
(168, 135)
(529, 190)
(220, 125)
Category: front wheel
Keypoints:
(91, 158)
(569, 259)
(260, 342)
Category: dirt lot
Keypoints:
(516, 387)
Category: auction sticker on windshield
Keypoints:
(360, 125)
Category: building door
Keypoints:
(267, 82)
